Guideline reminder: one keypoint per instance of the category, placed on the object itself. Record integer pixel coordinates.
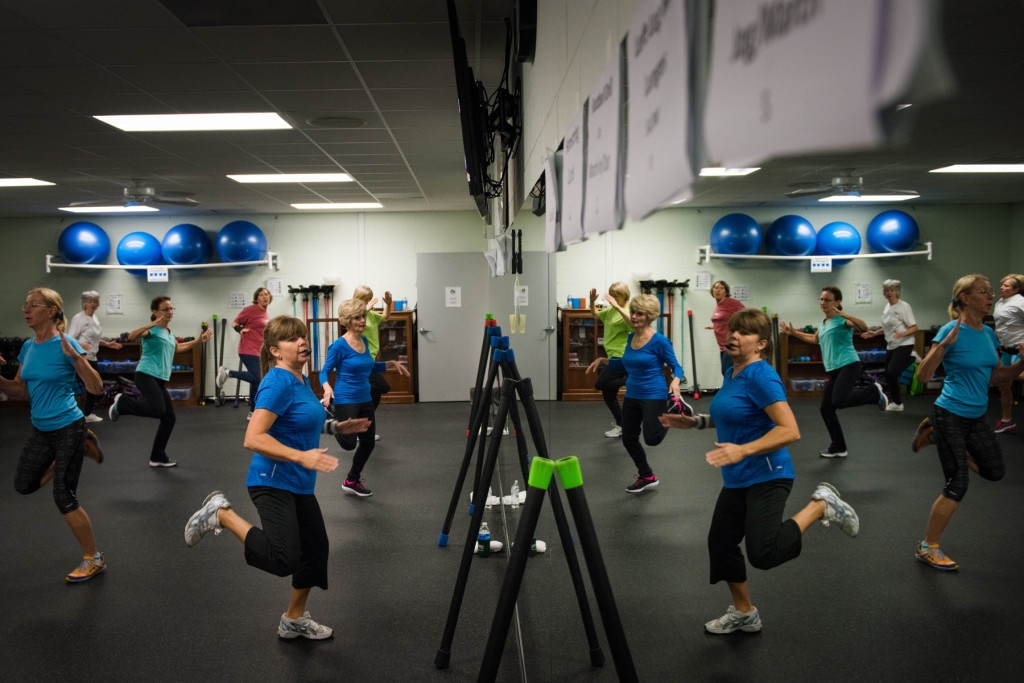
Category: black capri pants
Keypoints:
(957, 436)
(293, 541)
(754, 513)
(65, 448)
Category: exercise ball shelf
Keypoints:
(272, 261)
(704, 255)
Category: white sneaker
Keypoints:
(92, 417)
(222, 377)
(376, 437)
(303, 627)
(206, 518)
(614, 433)
(894, 408)
(734, 620)
(836, 509)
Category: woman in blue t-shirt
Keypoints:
(842, 366)
(755, 424)
(50, 364)
(284, 435)
(967, 350)
(349, 356)
(646, 353)
(151, 374)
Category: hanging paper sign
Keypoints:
(552, 208)
(574, 169)
(658, 164)
(602, 209)
(791, 77)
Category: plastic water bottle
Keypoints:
(515, 495)
(569, 303)
(483, 541)
(405, 303)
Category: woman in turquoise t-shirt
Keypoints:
(151, 375)
(844, 388)
(612, 377)
(50, 364)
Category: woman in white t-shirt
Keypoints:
(85, 329)
(1009, 315)
(899, 327)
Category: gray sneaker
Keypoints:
(836, 509)
(735, 620)
(205, 518)
(303, 627)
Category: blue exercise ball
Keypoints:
(736, 233)
(892, 231)
(83, 242)
(791, 236)
(186, 245)
(139, 249)
(838, 239)
(241, 241)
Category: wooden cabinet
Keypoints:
(183, 384)
(800, 362)
(580, 342)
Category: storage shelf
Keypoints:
(272, 261)
(704, 255)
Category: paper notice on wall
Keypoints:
(658, 163)
(602, 204)
(453, 297)
(115, 303)
(791, 77)
(574, 179)
(275, 286)
(552, 208)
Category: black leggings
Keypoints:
(64, 448)
(91, 399)
(642, 413)
(365, 440)
(754, 513)
(608, 383)
(378, 387)
(896, 361)
(156, 403)
(293, 541)
(956, 437)
(842, 390)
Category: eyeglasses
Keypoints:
(25, 307)
(984, 292)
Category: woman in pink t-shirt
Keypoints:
(724, 309)
(250, 324)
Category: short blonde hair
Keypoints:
(647, 305)
(619, 290)
(350, 308)
(363, 293)
(1016, 279)
(52, 299)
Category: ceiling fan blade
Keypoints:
(180, 201)
(96, 202)
(809, 191)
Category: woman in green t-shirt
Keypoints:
(616, 329)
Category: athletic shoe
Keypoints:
(249, 416)
(163, 463)
(614, 433)
(206, 518)
(376, 437)
(112, 413)
(836, 509)
(222, 377)
(883, 400)
(91, 566)
(357, 488)
(923, 435)
(677, 406)
(303, 627)
(933, 556)
(642, 484)
(1005, 426)
(833, 454)
(894, 408)
(92, 447)
(734, 620)
(92, 417)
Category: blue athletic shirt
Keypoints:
(157, 353)
(738, 412)
(968, 363)
(836, 340)
(352, 384)
(50, 377)
(300, 417)
(643, 367)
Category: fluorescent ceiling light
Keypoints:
(292, 178)
(719, 171)
(868, 197)
(107, 209)
(22, 182)
(346, 205)
(179, 122)
(980, 168)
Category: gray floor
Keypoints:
(859, 609)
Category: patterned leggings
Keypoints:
(65, 449)
(956, 437)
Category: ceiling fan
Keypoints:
(845, 183)
(140, 193)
